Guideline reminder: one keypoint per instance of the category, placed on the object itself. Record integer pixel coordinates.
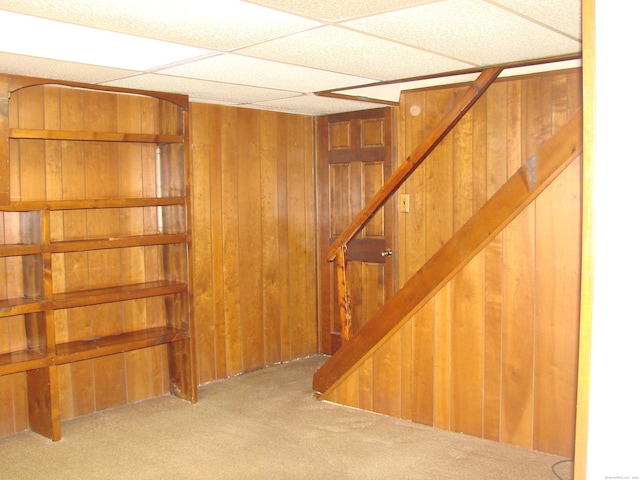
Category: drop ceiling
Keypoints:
(279, 54)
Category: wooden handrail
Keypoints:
(413, 161)
(511, 199)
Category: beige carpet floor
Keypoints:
(262, 425)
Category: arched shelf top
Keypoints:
(17, 83)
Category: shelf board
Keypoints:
(116, 294)
(87, 204)
(20, 306)
(107, 243)
(19, 250)
(22, 361)
(124, 342)
(93, 244)
(84, 136)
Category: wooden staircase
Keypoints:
(515, 195)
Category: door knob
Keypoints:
(387, 253)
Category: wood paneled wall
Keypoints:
(254, 239)
(494, 354)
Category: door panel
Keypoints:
(354, 155)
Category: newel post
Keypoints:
(344, 297)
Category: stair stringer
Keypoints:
(504, 206)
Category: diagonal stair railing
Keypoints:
(338, 250)
(504, 206)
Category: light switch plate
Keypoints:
(404, 203)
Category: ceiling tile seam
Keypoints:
(185, 61)
(532, 20)
(213, 82)
(291, 64)
(337, 21)
(289, 12)
(134, 73)
(279, 37)
(281, 62)
(264, 102)
(404, 44)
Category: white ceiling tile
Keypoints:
(215, 25)
(341, 50)
(564, 16)
(58, 70)
(230, 68)
(470, 30)
(315, 105)
(337, 10)
(91, 46)
(226, 93)
(277, 51)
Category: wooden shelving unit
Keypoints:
(92, 218)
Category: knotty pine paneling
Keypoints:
(494, 354)
(254, 237)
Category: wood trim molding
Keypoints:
(586, 294)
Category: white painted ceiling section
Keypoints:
(275, 54)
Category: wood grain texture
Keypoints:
(503, 380)
(587, 253)
(415, 158)
(5, 178)
(353, 159)
(254, 239)
(88, 189)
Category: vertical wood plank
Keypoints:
(102, 180)
(75, 271)
(439, 217)
(517, 382)
(32, 153)
(7, 415)
(152, 119)
(438, 209)
(5, 177)
(386, 378)
(467, 288)
(348, 393)
(365, 391)
(442, 359)
(297, 225)
(467, 344)
(268, 155)
(557, 314)
(406, 371)
(250, 240)
(216, 239)
(495, 178)
(53, 161)
(412, 239)
(325, 284)
(518, 321)
(233, 345)
(202, 247)
(423, 365)
(310, 345)
(285, 273)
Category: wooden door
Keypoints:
(354, 160)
